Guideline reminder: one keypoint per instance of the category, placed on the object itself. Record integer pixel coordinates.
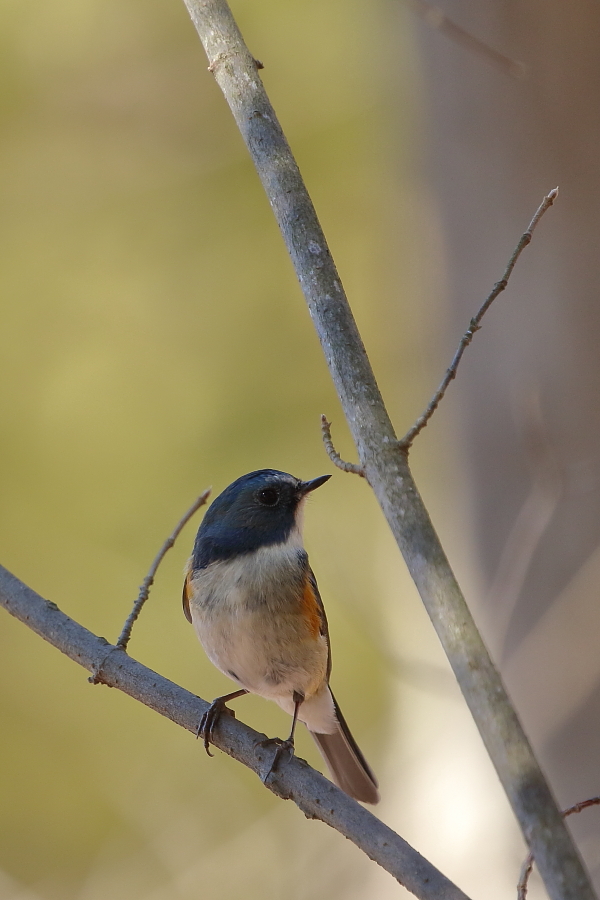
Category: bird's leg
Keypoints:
(297, 697)
(213, 714)
(288, 744)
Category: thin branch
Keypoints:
(475, 323)
(317, 797)
(149, 579)
(385, 463)
(528, 864)
(437, 18)
(332, 453)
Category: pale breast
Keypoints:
(249, 616)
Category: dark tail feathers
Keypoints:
(348, 767)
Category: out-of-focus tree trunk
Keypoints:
(497, 144)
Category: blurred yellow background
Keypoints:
(155, 342)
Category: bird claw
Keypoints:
(281, 748)
(209, 721)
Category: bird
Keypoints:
(253, 600)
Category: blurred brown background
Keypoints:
(155, 342)
(529, 392)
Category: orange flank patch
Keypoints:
(310, 610)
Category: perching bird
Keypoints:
(253, 600)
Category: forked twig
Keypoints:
(528, 864)
(149, 579)
(332, 453)
(475, 323)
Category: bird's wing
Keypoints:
(324, 628)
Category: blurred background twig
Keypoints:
(436, 18)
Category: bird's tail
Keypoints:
(348, 767)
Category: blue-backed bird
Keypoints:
(252, 597)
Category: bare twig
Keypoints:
(317, 797)
(149, 579)
(528, 864)
(475, 323)
(436, 18)
(385, 462)
(332, 453)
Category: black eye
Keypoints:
(268, 496)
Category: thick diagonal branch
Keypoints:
(385, 463)
(317, 797)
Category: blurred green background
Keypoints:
(155, 342)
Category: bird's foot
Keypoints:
(281, 747)
(210, 719)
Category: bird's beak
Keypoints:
(305, 487)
